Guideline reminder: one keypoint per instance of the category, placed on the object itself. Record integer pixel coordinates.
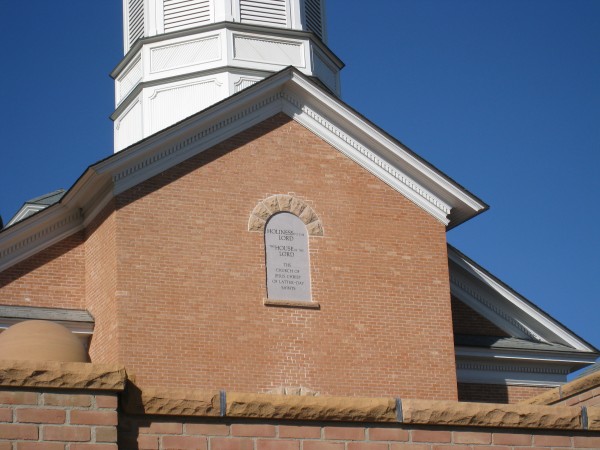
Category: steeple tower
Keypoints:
(182, 56)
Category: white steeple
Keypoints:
(182, 56)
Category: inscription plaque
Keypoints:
(288, 268)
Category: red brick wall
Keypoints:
(466, 320)
(192, 278)
(101, 281)
(154, 434)
(52, 278)
(51, 420)
(493, 393)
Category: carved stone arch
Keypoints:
(285, 203)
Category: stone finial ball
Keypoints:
(41, 340)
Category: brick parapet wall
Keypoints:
(54, 419)
(155, 433)
(52, 405)
(412, 412)
(73, 406)
(213, 420)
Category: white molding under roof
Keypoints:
(510, 373)
(517, 367)
(289, 92)
(510, 311)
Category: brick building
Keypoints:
(253, 233)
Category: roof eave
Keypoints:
(550, 328)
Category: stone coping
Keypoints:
(172, 402)
(299, 407)
(62, 375)
(390, 410)
(565, 391)
(234, 405)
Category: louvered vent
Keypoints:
(267, 12)
(135, 9)
(180, 14)
(314, 22)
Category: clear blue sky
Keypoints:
(502, 95)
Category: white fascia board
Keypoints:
(37, 232)
(374, 164)
(532, 372)
(90, 194)
(56, 222)
(139, 173)
(529, 356)
(188, 138)
(395, 154)
(509, 378)
(531, 317)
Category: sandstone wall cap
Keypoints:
(549, 397)
(565, 391)
(593, 415)
(172, 402)
(431, 412)
(62, 375)
(296, 407)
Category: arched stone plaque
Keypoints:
(288, 267)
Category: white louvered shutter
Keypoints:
(135, 10)
(264, 12)
(181, 14)
(314, 16)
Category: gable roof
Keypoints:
(504, 307)
(36, 204)
(511, 343)
(288, 91)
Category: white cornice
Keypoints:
(203, 139)
(507, 309)
(39, 231)
(468, 293)
(352, 148)
(507, 367)
(488, 366)
(463, 204)
(509, 375)
(510, 356)
(288, 92)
